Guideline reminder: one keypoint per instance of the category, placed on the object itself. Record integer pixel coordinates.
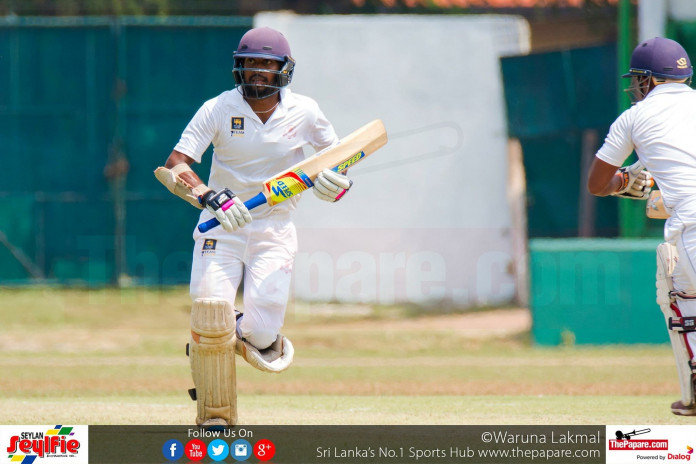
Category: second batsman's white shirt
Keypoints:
(247, 151)
(662, 130)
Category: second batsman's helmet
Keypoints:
(264, 43)
(661, 58)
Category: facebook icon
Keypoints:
(173, 450)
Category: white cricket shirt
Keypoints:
(662, 130)
(246, 151)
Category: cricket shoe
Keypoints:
(679, 409)
(276, 358)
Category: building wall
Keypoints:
(428, 218)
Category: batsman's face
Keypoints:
(254, 75)
(638, 88)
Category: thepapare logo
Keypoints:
(59, 441)
(348, 163)
(682, 63)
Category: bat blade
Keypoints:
(349, 151)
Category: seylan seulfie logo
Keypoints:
(27, 444)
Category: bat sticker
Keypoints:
(348, 163)
(287, 185)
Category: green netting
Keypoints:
(556, 92)
(684, 32)
(553, 100)
(78, 95)
(552, 169)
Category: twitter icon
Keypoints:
(218, 450)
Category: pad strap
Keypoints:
(675, 294)
(682, 324)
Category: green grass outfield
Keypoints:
(117, 357)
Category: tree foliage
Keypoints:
(166, 7)
(250, 7)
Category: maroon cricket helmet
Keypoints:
(264, 43)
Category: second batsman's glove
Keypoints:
(227, 208)
(634, 185)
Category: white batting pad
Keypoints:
(666, 260)
(212, 357)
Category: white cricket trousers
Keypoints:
(263, 253)
(682, 234)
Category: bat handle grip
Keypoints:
(204, 227)
(251, 203)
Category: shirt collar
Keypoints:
(668, 88)
(287, 100)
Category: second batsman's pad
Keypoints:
(276, 358)
(211, 352)
(676, 324)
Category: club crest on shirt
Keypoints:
(290, 133)
(209, 245)
(237, 126)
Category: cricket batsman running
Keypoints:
(661, 128)
(257, 129)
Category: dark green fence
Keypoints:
(594, 291)
(554, 100)
(560, 105)
(89, 108)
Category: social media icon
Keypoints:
(173, 450)
(240, 450)
(264, 450)
(195, 450)
(218, 450)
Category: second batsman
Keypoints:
(661, 128)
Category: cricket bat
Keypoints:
(655, 207)
(349, 151)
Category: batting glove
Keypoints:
(227, 209)
(331, 186)
(635, 186)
